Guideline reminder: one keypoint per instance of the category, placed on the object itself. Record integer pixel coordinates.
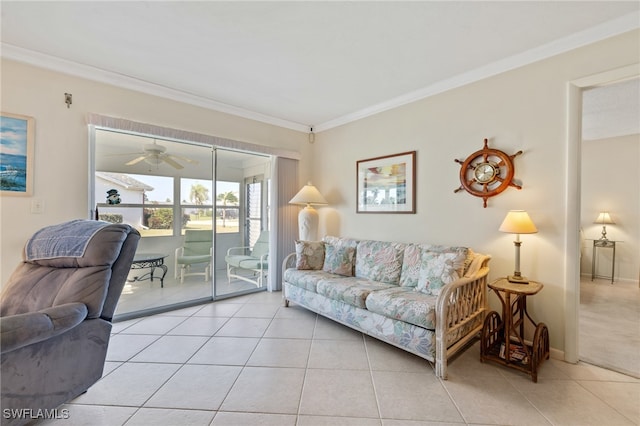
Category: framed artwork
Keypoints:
(387, 184)
(16, 154)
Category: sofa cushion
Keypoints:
(404, 304)
(339, 241)
(307, 279)
(412, 261)
(379, 261)
(339, 259)
(440, 269)
(309, 255)
(411, 265)
(353, 291)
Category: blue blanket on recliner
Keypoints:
(68, 239)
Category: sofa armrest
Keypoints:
(20, 330)
(289, 262)
(460, 311)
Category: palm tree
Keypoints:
(199, 195)
(226, 197)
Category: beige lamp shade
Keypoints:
(308, 195)
(308, 217)
(604, 219)
(518, 222)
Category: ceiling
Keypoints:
(300, 64)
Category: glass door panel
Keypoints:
(241, 254)
(164, 189)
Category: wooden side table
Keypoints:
(503, 340)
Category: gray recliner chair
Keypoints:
(55, 314)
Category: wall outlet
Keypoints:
(37, 206)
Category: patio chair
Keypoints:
(251, 267)
(197, 249)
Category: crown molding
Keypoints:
(87, 72)
(597, 33)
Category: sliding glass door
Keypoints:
(191, 203)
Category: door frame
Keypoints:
(573, 197)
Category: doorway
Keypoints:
(610, 220)
(606, 314)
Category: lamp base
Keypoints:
(518, 279)
(308, 224)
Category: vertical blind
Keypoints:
(284, 219)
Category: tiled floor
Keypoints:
(250, 361)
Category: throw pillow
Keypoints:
(309, 255)
(438, 270)
(380, 261)
(339, 260)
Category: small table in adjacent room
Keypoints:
(503, 340)
(149, 260)
(606, 244)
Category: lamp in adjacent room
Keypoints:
(308, 196)
(518, 222)
(604, 219)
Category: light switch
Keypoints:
(37, 206)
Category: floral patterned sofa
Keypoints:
(427, 299)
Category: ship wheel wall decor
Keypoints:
(487, 172)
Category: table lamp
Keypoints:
(308, 217)
(604, 219)
(518, 222)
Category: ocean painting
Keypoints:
(16, 146)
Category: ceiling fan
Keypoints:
(155, 154)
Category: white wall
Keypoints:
(524, 109)
(61, 142)
(611, 182)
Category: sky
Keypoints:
(163, 187)
(13, 136)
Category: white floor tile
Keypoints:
(338, 354)
(281, 353)
(565, 402)
(162, 416)
(225, 351)
(291, 328)
(244, 327)
(218, 309)
(623, 397)
(253, 419)
(171, 349)
(266, 390)
(158, 324)
(199, 326)
(347, 393)
(413, 396)
(305, 420)
(199, 387)
(129, 385)
(123, 347)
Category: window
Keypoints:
(146, 202)
(196, 204)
